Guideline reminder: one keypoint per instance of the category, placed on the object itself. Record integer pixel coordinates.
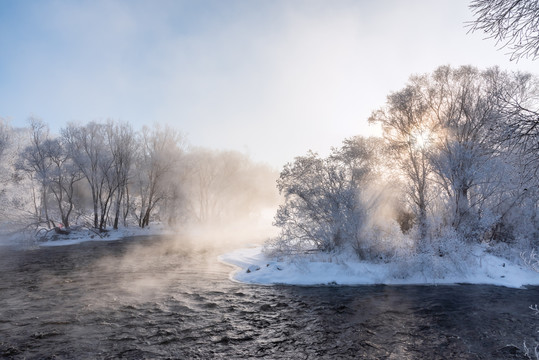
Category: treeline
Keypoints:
(459, 160)
(106, 175)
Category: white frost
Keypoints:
(321, 269)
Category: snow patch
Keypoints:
(80, 236)
(256, 267)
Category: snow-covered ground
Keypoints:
(256, 267)
(87, 235)
(81, 235)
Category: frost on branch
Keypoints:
(531, 260)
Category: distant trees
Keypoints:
(513, 23)
(106, 174)
(158, 156)
(122, 146)
(64, 175)
(35, 162)
(4, 136)
(88, 148)
(5, 133)
(225, 184)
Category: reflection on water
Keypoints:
(149, 298)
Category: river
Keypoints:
(150, 298)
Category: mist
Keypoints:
(306, 143)
(198, 203)
(212, 198)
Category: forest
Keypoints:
(106, 175)
(458, 164)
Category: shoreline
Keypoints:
(252, 266)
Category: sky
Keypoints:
(269, 78)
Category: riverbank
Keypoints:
(85, 235)
(48, 238)
(254, 266)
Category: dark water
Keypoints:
(148, 298)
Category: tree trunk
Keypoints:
(119, 197)
(462, 207)
(126, 205)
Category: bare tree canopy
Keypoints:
(514, 24)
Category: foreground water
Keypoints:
(150, 298)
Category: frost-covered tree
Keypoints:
(5, 132)
(122, 145)
(455, 141)
(88, 148)
(518, 100)
(8, 158)
(512, 23)
(517, 96)
(323, 208)
(4, 136)
(63, 177)
(204, 168)
(463, 105)
(407, 129)
(35, 162)
(157, 159)
(220, 185)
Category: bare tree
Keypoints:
(35, 162)
(407, 127)
(121, 142)
(4, 135)
(221, 184)
(204, 168)
(512, 23)
(63, 176)
(5, 132)
(88, 148)
(517, 96)
(158, 156)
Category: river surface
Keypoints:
(148, 298)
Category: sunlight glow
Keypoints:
(421, 138)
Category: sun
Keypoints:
(421, 138)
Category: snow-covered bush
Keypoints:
(323, 208)
(383, 242)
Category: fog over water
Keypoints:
(150, 297)
(140, 140)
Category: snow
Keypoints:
(83, 235)
(342, 269)
(77, 237)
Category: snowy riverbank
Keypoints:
(77, 236)
(256, 267)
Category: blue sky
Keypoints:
(270, 78)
